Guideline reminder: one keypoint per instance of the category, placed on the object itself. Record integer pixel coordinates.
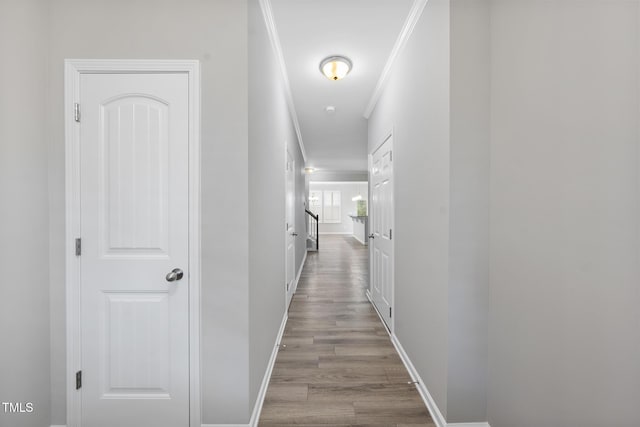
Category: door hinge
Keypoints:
(78, 380)
(389, 311)
(391, 156)
(76, 112)
(390, 234)
(78, 246)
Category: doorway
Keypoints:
(290, 226)
(381, 223)
(132, 146)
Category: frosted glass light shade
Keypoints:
(335, 67)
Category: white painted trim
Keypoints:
(358, 240)
(287, 301)
(436, 415)
(370, 298)
(414, 15)
(387, 136)
(422, 388)
(57, 426)
(304, 259)
(73, 69)
(267, 13)
(257, 409)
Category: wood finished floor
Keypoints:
(339, 367)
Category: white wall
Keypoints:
(469, 211)
(339, 176)
(270, 131)
(348, 207)
(24, 239)
(415, 104)
(564, 321)
(173, 29)
(545, 102)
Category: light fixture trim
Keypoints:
(337, 73)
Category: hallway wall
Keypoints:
(468, 294)
(210, 31)
(24, 257)
(415, 104)
(564, 321)
(270, 131)
(543, 215)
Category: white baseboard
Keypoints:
(295, 285)
(437, 416)
(422, 388)
(356, 237)
(257, 409)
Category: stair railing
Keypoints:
(312, 227)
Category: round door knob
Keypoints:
(175, 274)
(371, 236)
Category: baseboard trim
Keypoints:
(437, 416)
(257, 409)
(356, 237)
(57, 426)
(370, 298)
(304, 259)
(422, 388)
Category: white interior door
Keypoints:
(381, 225)
(290, 227)
(134, 317)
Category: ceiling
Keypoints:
(365, 31)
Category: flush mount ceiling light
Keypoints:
(309, 171)
(335, 67)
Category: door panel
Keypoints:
(136, 347)
(134, 223)
(381, 216)
(290, 234)
(134, 176)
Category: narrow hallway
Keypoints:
(337, 365)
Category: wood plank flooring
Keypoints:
(339, 367)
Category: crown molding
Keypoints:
(267, 13)
(414, 15)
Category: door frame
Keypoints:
(74, 68)
(294, 283)
(385, 138)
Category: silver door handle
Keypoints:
(294, 234)
(175, 274)
(371, 236)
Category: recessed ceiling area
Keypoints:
(364, 31)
